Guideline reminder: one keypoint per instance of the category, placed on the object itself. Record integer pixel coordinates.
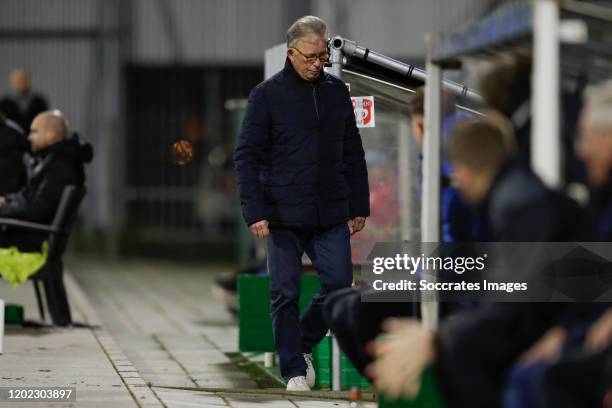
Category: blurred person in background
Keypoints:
(505, 86)
(572, 363)
(595, 149)
(458, 220)
(473, 351)
(22, 104)
(56, 163)
(509, 198)
(13, 146)
(303, 185)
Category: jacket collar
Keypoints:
(41, 154)
(290, 72)
(602, 197)
(483, 207)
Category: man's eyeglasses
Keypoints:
(311, 59)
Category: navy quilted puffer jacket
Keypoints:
(299, 159)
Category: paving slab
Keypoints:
(62, 358)
(271, 401)
(317, 403)
(171, 340)
(189, 399)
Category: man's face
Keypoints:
(39, 137)
(464, 181)
(417, 124)
(20, 82)
(307, 55)
(595, 149)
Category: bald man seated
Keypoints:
(57, 162)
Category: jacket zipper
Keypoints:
(316, 106)
(314, 96)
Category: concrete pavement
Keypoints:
(159, 338)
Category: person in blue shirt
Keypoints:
(459, 223)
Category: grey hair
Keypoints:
(598, 103)
(304, 27)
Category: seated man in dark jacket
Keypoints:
(13, 146)
(56, 163)
(475, 351)
(573, 361)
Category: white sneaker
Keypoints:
(298, 384)
(310, 371)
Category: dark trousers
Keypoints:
(355, 323)
(330, 252)
(579, 382)
(355, 316)
(24, 241)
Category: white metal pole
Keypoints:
(545, 137)
(405, 181)
(430, 199)
(336, 354)
(352, 49)
(336, 60)
(269, 359)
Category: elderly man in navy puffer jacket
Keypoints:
(303, 186)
